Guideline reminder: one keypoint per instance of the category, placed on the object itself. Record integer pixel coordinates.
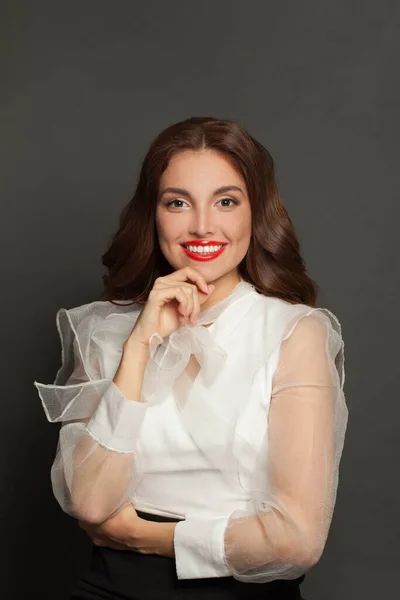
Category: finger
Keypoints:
(195, 302)
(163, 295)
(193, 275)
(196, 305)
(190, 292)
(116, 546)
(109, 543)
(184, 302)
(196, 297)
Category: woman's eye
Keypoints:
(229, 200)
(171, 202)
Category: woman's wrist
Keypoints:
(130, 373)
(135, 349)
(153, 537)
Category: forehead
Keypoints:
(200, 168)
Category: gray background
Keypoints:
(85, 88)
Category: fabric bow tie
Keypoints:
(170, 357)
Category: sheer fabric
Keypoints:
(306, 427)
(284, 447)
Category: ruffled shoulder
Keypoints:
(94, 334)
(92, 337)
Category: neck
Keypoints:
(223, 287)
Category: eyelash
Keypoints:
(235, 202)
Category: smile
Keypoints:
(203, 252)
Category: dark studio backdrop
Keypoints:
(86, 86)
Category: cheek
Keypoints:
(241, 229)
(161, 226)
(167, 229)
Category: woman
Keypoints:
(201, 401)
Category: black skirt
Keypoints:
(127, 575)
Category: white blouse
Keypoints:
(243, 443)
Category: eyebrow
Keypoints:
(220, 190)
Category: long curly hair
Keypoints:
(272, 264)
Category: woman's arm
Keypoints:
(103, 461)
(127, 531)
(284, 535)
(94, 472)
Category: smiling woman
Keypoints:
(201, 400)
(193, 203)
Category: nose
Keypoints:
(202, 224)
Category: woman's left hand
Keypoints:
(117, 532)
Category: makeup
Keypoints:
(203, 250)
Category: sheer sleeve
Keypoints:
(94, 472)
(283, 535)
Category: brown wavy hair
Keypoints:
(272, 264)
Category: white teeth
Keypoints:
(204, 249)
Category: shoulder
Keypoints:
(100, 309)
(281, 320)
(95, 332)
(310, 316)
(99, 314)
(303, 328)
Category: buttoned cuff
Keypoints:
(199, 547)
(116, 422)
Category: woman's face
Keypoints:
(199, 211)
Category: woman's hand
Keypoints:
(117, 532)
(170, 303)
(127, 531)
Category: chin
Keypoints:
(211, 271)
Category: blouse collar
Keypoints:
(213, 312)
(170, 356)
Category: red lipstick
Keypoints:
(203, 256)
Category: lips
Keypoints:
(203, 256)
(203, 243)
